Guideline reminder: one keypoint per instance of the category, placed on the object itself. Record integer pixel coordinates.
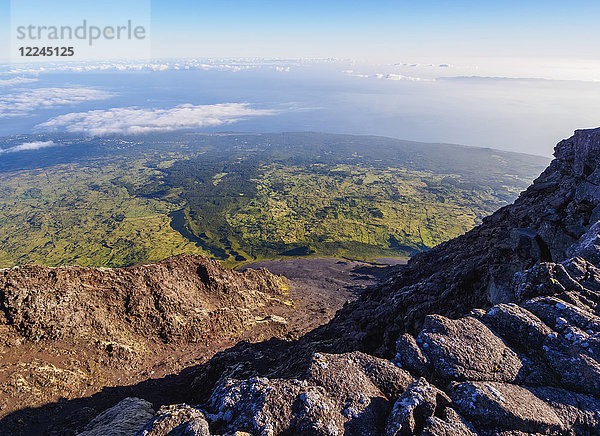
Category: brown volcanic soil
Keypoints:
(320, 286)
(102, 334)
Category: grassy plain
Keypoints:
(239, 198)
(84, 215)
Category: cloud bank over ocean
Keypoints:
(29, 146)
(135, 120)
(491, 105)
(17, 81)
(23, 102)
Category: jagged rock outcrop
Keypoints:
(494, 333)
(531, 367)
(348, 392)
(183, 298)
(69, 332)
(124, 419)
(177, 420)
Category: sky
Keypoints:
(514, 75)
(376, 31)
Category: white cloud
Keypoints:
(23, 102)
(202, 64)
(29, 146)
(355, 74)
(409, 65)
(16, 81)
(134, 120)
(393, 76)
(389, 76)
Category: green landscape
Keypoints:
(120, 201)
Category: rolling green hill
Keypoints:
(117, 201)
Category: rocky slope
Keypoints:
(75, 341)
(184, 298)
(476, 270)
(70, 331)
(494, 333)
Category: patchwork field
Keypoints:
(240, 198)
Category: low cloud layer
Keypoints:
(16, 81)
(201, 64)
(392, 76)
(29, 146)
(26, 101)
(134, 120)
(388, 76)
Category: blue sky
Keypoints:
(371, 30)
(380, 29)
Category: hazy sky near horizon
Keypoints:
(374, 31)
